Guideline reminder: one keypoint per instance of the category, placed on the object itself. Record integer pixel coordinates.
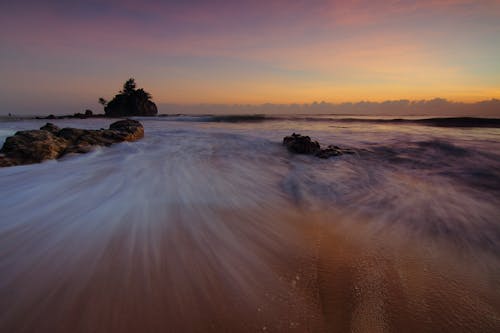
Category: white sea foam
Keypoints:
(215, 195)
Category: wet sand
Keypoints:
(383, 283)
(239, 271)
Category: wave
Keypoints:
(214, 118)
(439, 122)
(461, 122)
(464, 122)
(219, 228)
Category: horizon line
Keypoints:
(368, 101)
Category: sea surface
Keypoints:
(209, 224)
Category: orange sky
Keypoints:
(63, 56)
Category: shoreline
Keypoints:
(321, 273)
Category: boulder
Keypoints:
(300, 144)
(328, 152)
(33, 146)
(72, 134)
(50, 128)
(132, 128)
(50, 142)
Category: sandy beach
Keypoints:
(223, 230)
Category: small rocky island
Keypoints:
(130, 102)
(51, 142)
(301, 144)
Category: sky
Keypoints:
(61, 56)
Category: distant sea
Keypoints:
(210, 224)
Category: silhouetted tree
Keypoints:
(143, 95)
(129, 87)
(102, 101)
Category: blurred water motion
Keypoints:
(205, 226)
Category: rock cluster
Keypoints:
(301, 144)
(51, 142)
(88, 114)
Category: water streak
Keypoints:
(214, 226)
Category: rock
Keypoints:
(50, 128)
(78, 115)
(6, 162)
(328, 152)
(26, 147)
(130, 102)
(72, 134)
(130, 105)
(132, 128)
(300, 144)
(80, 148)
(33, 146)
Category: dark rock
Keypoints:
(132, 128)
(328, 152)
(26, 147)
(72, 134)
(50, 128)
(130, 102)
(79, 115)
(80, 148)
(300, 144)
(33, 146)
(7, 162)
(130, 105)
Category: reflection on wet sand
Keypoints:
(373, 283)
(216, 227)
(224, 271)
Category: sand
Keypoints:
(227, 272)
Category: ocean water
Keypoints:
(209, 224)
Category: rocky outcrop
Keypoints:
(32, 147)
(78, 115)
(51, 142)
(128, 130)
(301, 144)
(130, 105)
(332, 151)
(130, 102)
(49, 127)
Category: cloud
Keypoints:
(254, 51)
(433, 107)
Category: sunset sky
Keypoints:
(61, 56)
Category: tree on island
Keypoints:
(103, 102)
(129, 87)
(130, 102)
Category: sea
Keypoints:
(209, 224)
